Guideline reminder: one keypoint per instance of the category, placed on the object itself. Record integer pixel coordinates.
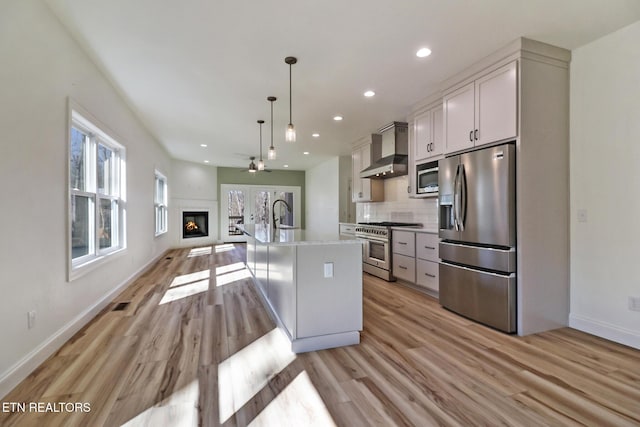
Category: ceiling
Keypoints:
(199, 71)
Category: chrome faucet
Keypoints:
(273, 210)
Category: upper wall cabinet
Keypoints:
(427, 134)
(364, 189)
(483, 111)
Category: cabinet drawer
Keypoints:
(427, 274)
(427, 246)
(404, 243)
(404, 268)
(348, 229)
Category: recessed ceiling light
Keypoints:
(315, 135)
(337, 118)
(286, 166)
(203, 145)
(206, 161)
(423, 53)
(306, 153)
(369, 93)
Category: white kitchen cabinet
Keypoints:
(415, 258)
(426, 143)
(347, 229)
(482, 111)
(404, 255)
(404, 243)
(364, 189)
(427, 258)
(427, 134)
(404, 268)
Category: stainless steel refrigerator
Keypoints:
(477, 194)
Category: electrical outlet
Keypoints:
(582, 215)
(31, 319)
(634, 303)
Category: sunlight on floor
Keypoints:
(229, 268)
(234, 276)
(186, 285)
(299, 404)
(206, 250)
(179, 410)
(225, 247)
(189, 278)
(185, 291)
(244, 374)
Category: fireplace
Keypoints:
(195, 224)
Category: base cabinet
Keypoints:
(415, 258)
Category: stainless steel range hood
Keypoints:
(389, 152)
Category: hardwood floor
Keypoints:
(196, 347)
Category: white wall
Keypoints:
(194, 187)
(41, 67)
(323, 197)
(605, 177)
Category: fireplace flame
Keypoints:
(191, 226)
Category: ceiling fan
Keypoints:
(253, 168)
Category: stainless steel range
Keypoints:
(376, 255)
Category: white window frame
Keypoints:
(84, 122)
(161, 204)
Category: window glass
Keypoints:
(107, 215)
(80, 226)
(105, 170)
(78, 156)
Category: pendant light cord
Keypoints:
(271, 124)
(290, 107)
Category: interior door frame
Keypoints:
(250, 190)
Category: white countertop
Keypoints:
(417, 229)
(294, 236)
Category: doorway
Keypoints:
(251, 204)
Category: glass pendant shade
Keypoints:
(271, 154)
(290, 136)
(261, 165)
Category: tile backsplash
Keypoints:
(397, 206)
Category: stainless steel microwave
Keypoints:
(427, 178)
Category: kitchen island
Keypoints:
(311, 282)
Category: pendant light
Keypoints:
(260, 162)
(290, 136)
(271, 154)
(252, 166)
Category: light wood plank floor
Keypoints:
(196, 347)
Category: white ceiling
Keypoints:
(199, 71)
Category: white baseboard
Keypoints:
(21, 370)
(605, 330)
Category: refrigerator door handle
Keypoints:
(456, 203)
(463, 197)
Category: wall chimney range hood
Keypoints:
(389, 152)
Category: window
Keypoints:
(97, 202)
(161, 203)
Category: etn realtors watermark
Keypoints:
(45, 407)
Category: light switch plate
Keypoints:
(328, 269)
